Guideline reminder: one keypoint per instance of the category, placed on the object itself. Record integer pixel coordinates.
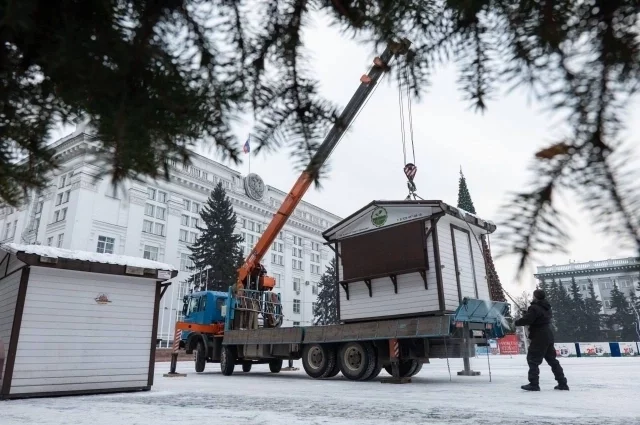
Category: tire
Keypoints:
(246, 367)
(357, 360)
(319, 360)
(275, 365)
(335, 370)
(200, 357)
(227, 360)
(417, 369)
(377, 369)
(405, 366)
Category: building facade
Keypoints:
(625, 272)
(81, 210)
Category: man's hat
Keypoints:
(539, 294)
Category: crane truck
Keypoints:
(243, 325)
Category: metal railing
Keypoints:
(253, 307)
(631, 261)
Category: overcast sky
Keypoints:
(494, 149)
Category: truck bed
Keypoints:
(419, 327)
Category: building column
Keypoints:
(137, 195)
(80, 210)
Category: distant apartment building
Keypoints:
(158, 220)
(625, 272)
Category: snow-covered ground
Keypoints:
(603, 391)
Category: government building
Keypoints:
(624, 272)
(157, 220)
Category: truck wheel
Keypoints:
(336, 368)
(200, 357)
(357, 360)
(405, 368)
(246, 367)
(275, 365)
(377, 369)
(319, 360)
(417, 369)
(227, 360)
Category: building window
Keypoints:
(105, 245)
(297, 264)
(314, 289)
(243, 222)
(315, 246)
(161, 213)
(194, 222)
(295, 324)
(193, 237)
(278, 246)
(66, 196)
(63, 181)
(162, 197)
(159, 230)
(296, 284)
(60, 240)
(149, 210)
(185, 262)
(186, 204)
(184, 220)
(195, 208)
(297, 240)
(606, 304)
(297, 252)
(150, 253)
(585, 287)
(151, 193)
(251, 225)
(147, 226)
(277, 278)
(277, 259)
(281, 235)
(296, 306)
(184, 235)
(60, 215)
(58, 199)
(50, 241)
(315, 269)
(315, 258)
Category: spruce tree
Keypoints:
(593, 312)
(577, 312)
(620, 319)
(325, 311)
(563, 312)
(464, 197)
(217, 249)
(496, 292)
(629, 332)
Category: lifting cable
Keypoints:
(410, 168)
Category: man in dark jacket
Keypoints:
(538, 318)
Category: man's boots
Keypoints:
(531, 387)
(561, 387)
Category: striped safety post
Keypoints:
(176, 347)
(394, 354)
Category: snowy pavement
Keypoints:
(602, 392)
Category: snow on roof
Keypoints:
(94, 257)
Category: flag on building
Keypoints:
(246, 148)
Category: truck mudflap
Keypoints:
(494, 316)
(419, 327)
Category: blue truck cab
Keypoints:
(202, 308)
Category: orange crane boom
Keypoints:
(368, 81)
